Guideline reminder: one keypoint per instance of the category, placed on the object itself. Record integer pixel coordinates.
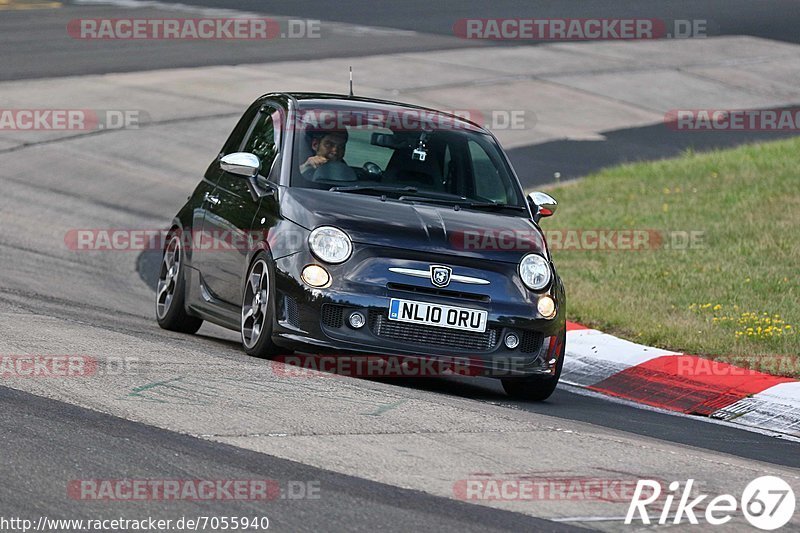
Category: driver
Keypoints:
(327, 147)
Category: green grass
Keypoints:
(746, 203)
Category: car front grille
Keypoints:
(531, 342)
(332, 315)
(433, 291)
(419, 334)
(292, 312)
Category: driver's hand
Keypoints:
(314, 161)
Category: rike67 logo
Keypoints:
(767, 503)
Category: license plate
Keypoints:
(443, 316)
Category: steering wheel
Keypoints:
(373, 170)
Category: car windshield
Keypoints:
(408, 154)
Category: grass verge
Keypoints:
(718, 274)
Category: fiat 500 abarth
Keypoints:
(340, 224)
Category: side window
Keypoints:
(488, 182)
(264, 138)
(236, 137)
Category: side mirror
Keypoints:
(248, 166)
(241, 164)
(542, 205)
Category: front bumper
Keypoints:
(316, 319)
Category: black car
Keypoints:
(333, 223)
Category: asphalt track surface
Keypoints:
(52, 432)
(36, 45)
(771, 19)
(52, 301)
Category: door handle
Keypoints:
(211, 199)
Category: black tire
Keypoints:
(171, 290)
(535, 388)
(257, 341)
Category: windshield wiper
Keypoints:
(426, 196)
(493, 205)
(415, 193)
(459, 201)
(373, 188)
(437, 196)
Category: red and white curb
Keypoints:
(679, 382)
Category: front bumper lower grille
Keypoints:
(409, 334)
(333, 315)
(423, 335)
(531, 342)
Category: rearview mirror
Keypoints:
(241, 164)
(542, 205)
(386, 140)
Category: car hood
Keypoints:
(421, 227)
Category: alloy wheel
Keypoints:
(255, 307)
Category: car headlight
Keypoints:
(330, 244)
(534, 271)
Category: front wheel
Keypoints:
(171, 291)
(258, 309)
(535, 388)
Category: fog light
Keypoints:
(547, 306)
(357, 320)
(316, 276)
(512, 341)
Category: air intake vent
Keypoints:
(422, 335)
(332, 315)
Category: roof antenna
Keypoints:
(351, 81)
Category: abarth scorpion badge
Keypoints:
(440, 275)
